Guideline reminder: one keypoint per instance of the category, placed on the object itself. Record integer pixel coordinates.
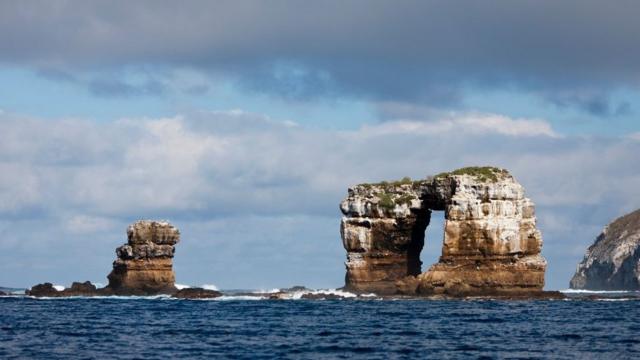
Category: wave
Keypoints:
(582, 291)
(105, 297)
(209, 287)
(236, 298)
(204, 286)
(295, 293)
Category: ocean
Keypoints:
(239, 328)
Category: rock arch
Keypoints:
(491, 244)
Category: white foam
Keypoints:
(181, 286)
(58, 287)
(582, 291)
(236, 297)
(210, 287)
(111, 297)
(298, 294)
(272, 291)
(368, 295)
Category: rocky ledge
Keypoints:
(491, 244)
(144, 266)
(613, 261)
(196, 293)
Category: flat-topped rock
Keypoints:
(196, 293)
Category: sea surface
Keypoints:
(238, 328)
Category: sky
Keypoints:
(244, 124)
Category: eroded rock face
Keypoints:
(144, 266)
(613, 261)
(491, 243)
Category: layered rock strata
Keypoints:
(491, 243)
(144, 265)
(613, 261)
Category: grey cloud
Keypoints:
(113, 84)
(389, 50)
(115, 87)
(597, 103)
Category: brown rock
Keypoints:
(196, 293)
(491, 243)
(81, 289)
(320, 296)
(41, 290)
(144, 265)
(77, 289)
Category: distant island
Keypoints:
(613, 261)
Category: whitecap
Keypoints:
(58, 287)
(109, 297)
(298, 294)
(236, 297)
(210, 287)
(181, 286)
(583, 291)
(272, 291)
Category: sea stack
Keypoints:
(144, 265)
(491, 244)
(613, 261)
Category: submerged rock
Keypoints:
(144, 266)
(491, 243)
(613, 261)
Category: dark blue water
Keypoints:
(370, 329)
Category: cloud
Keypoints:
(116, 84)
(420, 51)
(245, 187)
(466, 123)
(634, 136)
(596, 103)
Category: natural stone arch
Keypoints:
(491, 243)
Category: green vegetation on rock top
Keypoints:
(481, 173)
(404, 181)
